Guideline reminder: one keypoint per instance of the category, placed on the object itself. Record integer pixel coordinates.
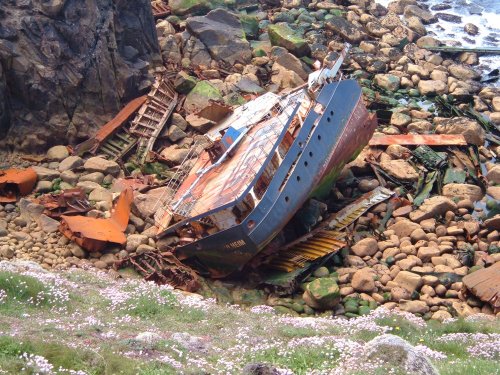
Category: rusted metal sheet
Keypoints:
(306, 249)
(162, 268)
(15, 183)
(352, 212)
(418, 139)
(160, 9)
(93, 234)
(485, 284)
(68, 202)
(93, 143)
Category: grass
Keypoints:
(98, 332)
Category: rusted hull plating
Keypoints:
(485, 285)
(418, 139)
(15, 183)
(327, 139)
(93, 234)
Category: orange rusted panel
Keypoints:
(15, 183)
(94, 234)
(418, 139)
(485, 285)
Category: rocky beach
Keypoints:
(68, 68)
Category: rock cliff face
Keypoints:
(69, 65)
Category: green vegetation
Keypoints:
(21, 290)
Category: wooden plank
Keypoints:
(485, 284)
(418, 139)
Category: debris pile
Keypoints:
(410, 220)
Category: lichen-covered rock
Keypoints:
(193, 7)
(69, 66)
(470, 129)
(282, 35)
(222, 34)
(322, 293)
(201, 95)
(345, 29)
(387, 82)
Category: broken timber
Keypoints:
(152, 116)
(451, 49)
(418, 139)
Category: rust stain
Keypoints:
(418, 139)
(485, 284)
(15, 183)
(93, 234)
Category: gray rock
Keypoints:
(470, 129)
(435, 206)
(184, 83)
(6, 252)
(57, 153)
(175, 134)
(388, 82)
(291, 62)
(70, 163)
(43, 186)
(178, 120)
(260, 369)
(77, 251)
(69, 177)
(45, 174)
(47, 224)
(96, 177)
(424, 15)
(83, 59)
(149, 338)
(134, 240)
(100, 194)
(222, 34)
(345, 29)
(282, 35)
(88, 186)
(98, 164)
(174, 155)
(398, 354)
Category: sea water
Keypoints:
(485, 14)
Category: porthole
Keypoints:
(310, 154)
(298, 178)
(306, 163)
(250, 224)
(328, 119)
(331, 113)
(319, 137)
(287, 199)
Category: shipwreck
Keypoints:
(265, 160)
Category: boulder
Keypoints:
(282, 35)
(96, 177)
(362, 280)
(285, 78)
(47, 224)
(98, 164)
(470, 129)
(291, 62)
(435, 206)
(70, 163)
(184, 83)
(347, 30)
(399, 169)
(185, 7)
(398, 355)
(365, 247)
(387, 82)
(322, 294)
(201, 95)
(424, 15)
(408, 280)
(222, 34)
(463, 191)
(45, 174)
(134, 240)
(403, 228)
(146, 205)
(57, 153)
(463, 72)
(432, 87)
(414, 307)
(493, 175)
(494, 192)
